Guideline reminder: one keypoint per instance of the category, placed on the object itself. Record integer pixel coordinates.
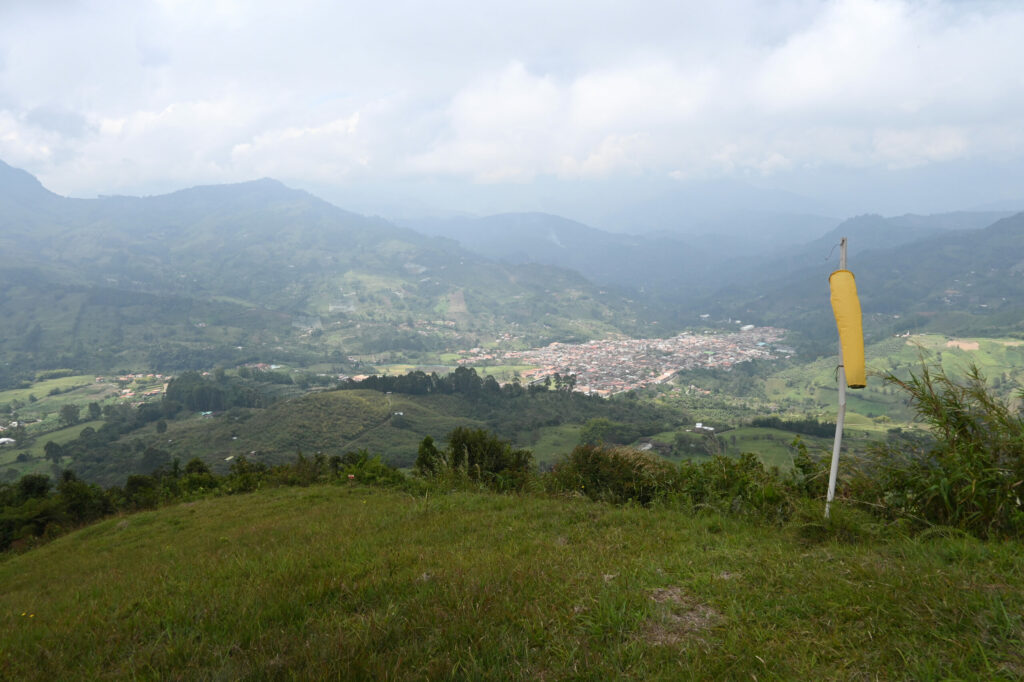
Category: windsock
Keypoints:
(846, 307)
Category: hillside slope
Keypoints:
(185, 279)
(671, 265)
(962, 281)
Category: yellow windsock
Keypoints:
(846, 307)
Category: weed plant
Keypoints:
(615, 474)
(969, 476)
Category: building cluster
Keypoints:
(128, 378)
(617, 365)
(139, 379)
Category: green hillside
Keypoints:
(346, 582)
(332, 422)
(257, 271)
(953, 281)
(329, 422)
(550, 423)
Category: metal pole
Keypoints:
(841, 416)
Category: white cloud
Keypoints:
(150, 96)
(324, 153)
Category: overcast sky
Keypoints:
(858, 105)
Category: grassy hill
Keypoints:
(356, 583)
(330, 422)
(334, 422)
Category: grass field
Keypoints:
(554, 443)
(61, 436)
(811, 388)
(38, 465)
(353, 583)
(772, 446)
(41, 389)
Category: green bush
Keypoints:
(615, 474)
(141, 492)
(362, 467)
(739, 486)
(968, 477)
(481, 455)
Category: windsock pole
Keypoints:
(841, 415)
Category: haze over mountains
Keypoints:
(731, 275)
(222, 273)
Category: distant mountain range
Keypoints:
(952, 270)
(222, 273)
(714, 275)
(668, 264)
(232, 273)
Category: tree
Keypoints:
(153, 459)
(142, 492)
(69, 414)
(196, 466)
(488, 458)
(33, 486)
(428, 459)
(53, 451)
(596, 431)
(95, 411)
(82, 501)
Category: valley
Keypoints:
(294, 315)
(550, 419)
(512, 341)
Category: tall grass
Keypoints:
(969, 475)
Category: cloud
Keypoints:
(59, 120)
(861, 83)
(325, 153)
(150, 96)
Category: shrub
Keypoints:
(969, 476)
(615, 474)
(362, 467)
(245, 475)
(481, 455)
(739, 486)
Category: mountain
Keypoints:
(667, 264)
(218, 273)
(871, 232)
(650, 262)
(957, 281)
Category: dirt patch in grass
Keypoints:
(963, 345)
(679, 619)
